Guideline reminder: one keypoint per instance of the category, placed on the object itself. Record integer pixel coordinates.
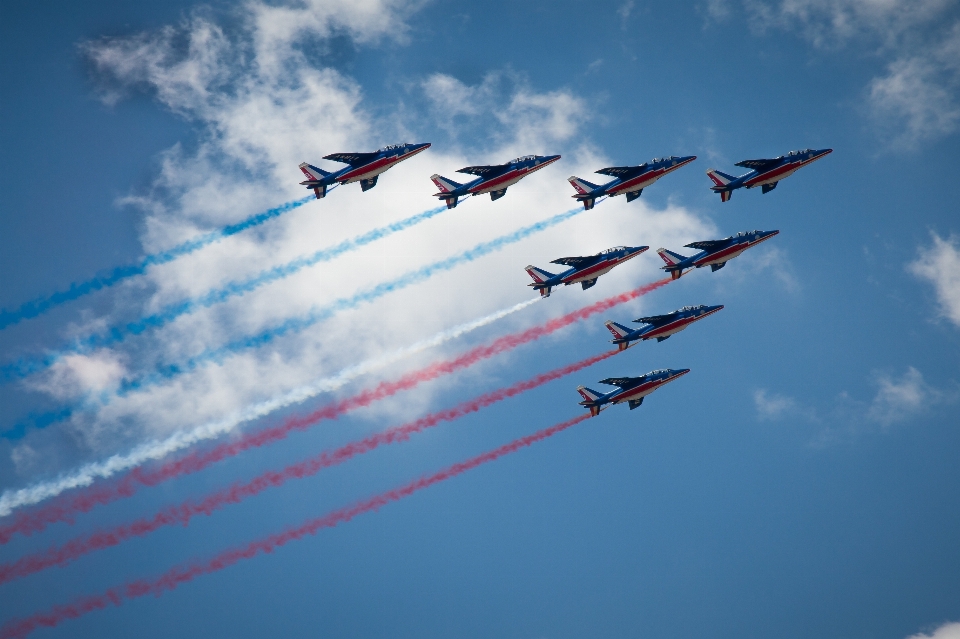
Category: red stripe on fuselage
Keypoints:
(511, 177)
(676, 325)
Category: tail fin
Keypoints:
(719, 178)
(313, 173)
(445, 185)
(619, 332)
(720, 181)
(590, 398)
(582, 186)
(539, 277)
(671, 259)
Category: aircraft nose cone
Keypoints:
(687, 158)
(547, 159)
(423, 145)
(714, 308)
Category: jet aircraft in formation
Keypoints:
(585, 269)
(364, 168)
(493, 179)
(629, 180)
(713, 253)
(764, 173)
(631, 390)
(660, 327)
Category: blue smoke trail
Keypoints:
(318, 315)
(24, 367)
(40, 305)
(297, 324)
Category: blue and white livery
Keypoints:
(765, 173)
(629, 180)
(660, 327)
(493, 179)
(585, 271)
(631, 390)
(713, 253)
(364, 168)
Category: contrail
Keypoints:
(297, 324)
(179, 575)
(182, 514)
(65, 510)
(25, 367)
(37, 521)
(44, 303)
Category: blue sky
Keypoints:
(800, 482)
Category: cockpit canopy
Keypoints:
(523, 158)
(391, 147)
(692, 308)
(658, 371)
(612, 249)
(746, 233)
(655, 160)
(799, 152)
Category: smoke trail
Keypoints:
(179, 575)
(296, 324)
(182, 514)
(65, 510)
(42, 304)
(25, 367)
(34, 522)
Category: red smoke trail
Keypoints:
(65, 508)
(182, 514)
(182, 574)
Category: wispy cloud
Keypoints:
(940, 265)
(949, 630)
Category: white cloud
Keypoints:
(771, 406)
(940, 265)
(261, 108)
(898, 399)
(946, 631)
(827, 23)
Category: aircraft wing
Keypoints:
(621, 381)
(353, 159)
(577, 262)
(620, 171)
(655, 319)
(759, 165)
(708, 245)
(482, 171)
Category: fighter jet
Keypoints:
(629, 179)
(659, 326)
(492, 179)
(764, 173)
(631, 390)
(585, 269)
(713, 253)
(364, 168)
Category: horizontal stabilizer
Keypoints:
(633, 195)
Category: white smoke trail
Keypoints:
(153, 450)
